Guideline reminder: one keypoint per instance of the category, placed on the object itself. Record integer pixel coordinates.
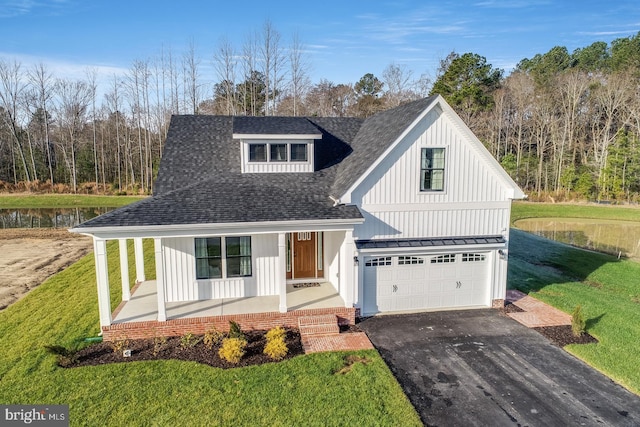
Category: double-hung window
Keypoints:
(432, 169)
(217, 258)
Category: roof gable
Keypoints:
(376, 135)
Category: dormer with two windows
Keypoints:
(267, 148)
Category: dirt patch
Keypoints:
(31, 255)
(178, 348)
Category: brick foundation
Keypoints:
(199, 325)
(497, 303)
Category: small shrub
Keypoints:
(158, 342)
(212, 337)
(235, 331)
(189, 340)
(276, 348)
(275, 333)
(119, 345)
(232, 349)
(578, 324)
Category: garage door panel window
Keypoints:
(473, 257)
(446, 258)
(376, 262)
(407, 260)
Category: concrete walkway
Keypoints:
(536, 313)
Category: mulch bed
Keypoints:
(559, 335)
(176, 348)
(563, 335)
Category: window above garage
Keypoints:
(432, 169)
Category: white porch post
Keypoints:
(282, 271)
(102, 279)
(347, 267)
(124, 269)
(162, 311)
(139, 255)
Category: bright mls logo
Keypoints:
(43, 415)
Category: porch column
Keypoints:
(162, 311)
(102, 279)
(139, 255)
(124, 269)
(347, 267)
(282, 271)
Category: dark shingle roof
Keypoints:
(273, 126)
(200, 179)
(234, 198)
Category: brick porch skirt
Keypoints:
(199, 325)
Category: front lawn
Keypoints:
(607, 289)
(301, 391)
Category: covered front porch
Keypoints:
(143, 304)
(138, 317)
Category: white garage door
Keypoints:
(401, 283)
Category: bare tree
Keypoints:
(12, 91)
(249, 90)
(42, 82)
(273, 65)
(398, 81)
(92, 76)
(225, 64)
(73, 102)
(191, 75)
(299, 72)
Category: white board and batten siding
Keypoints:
(475, 200)
(182, 285)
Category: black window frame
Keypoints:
(224, 260)
(275, 146)
(209, 258)
(291, 151)
(428, 171)
(265, 152)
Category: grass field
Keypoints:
(26, 201)
(300, 391)
(606, 288)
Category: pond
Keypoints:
(48, 217)
(620, 238)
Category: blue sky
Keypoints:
(344, 39)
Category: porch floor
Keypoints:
(143, 305)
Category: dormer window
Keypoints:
(298, 152)
(278, 152)
(276, 144)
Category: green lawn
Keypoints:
(521, 210)
(300, 391)
(606, 288)
(11, 201)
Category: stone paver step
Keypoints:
(323, 319)
(319, 330)
(342, 342)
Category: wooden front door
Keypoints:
(304, 255)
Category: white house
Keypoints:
(264, 219)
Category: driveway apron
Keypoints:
(479, 367)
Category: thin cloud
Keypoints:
(13, 8)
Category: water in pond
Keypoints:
(48, 217)
(609, 236)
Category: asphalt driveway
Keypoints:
(478, 367)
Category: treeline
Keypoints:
(563, 124)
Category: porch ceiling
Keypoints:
(143, 305)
